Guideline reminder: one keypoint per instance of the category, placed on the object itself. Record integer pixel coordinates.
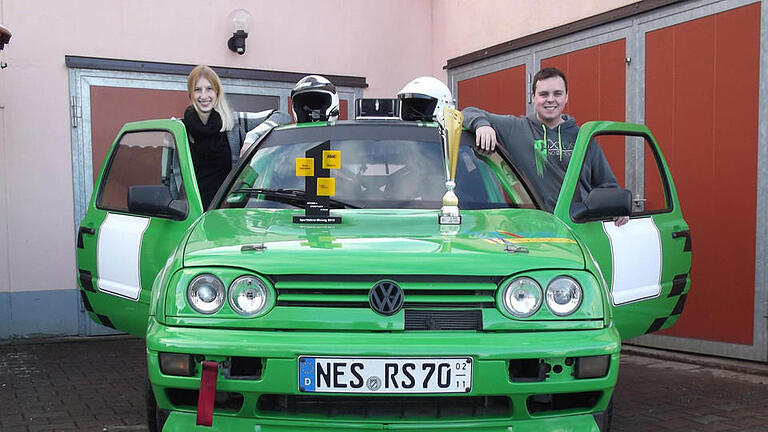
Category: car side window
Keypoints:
(140, 159)
(501, 177)
(655, 189)
(646, 180)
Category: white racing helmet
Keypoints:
(314, 99)
(423, 99)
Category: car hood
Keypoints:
(384, 242)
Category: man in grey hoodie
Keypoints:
(542, 143)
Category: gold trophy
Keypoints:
(450, 131)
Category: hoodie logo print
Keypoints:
(553, 149)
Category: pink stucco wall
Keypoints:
(5, 285)
(464, 26)
(4, 280)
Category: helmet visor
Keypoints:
(418, 107)
(311, 106)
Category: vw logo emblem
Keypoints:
(386, 297)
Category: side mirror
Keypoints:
(155, 200)
(602, 203)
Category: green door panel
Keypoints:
(645, 263)
(121, 251)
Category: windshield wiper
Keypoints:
(294, 197)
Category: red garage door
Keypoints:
(502, 92)
(111, 107)
(702, 106)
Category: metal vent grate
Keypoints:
(471, 319)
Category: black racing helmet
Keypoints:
(314, 99)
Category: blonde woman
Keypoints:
(215, 133)
(208, 119)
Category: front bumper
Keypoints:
(491, 353)
(185, 422)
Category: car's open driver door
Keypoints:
(646, 263)
(144, 200)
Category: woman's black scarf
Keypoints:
(196, 128)
(209, 141)
(210, 152)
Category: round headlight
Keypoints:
(563, 296)
(206, 294)
(248, 295)
(522, 297)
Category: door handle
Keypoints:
(80, 232)
(639, 201)
(687, 235)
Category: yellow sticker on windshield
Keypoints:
(305, 167)
(331, 159)
(326, 186)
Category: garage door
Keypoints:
(503, 92)
(701, 92)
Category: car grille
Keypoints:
(351, 291)
(431, 302)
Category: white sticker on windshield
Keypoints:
(636, 256)
(118, 255)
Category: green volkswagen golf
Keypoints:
(324, 289)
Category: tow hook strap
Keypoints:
(207, 393)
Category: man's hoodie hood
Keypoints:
(568, 124)
(553, 145)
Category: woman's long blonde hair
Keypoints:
(221, 106)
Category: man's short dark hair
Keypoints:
(547, 73)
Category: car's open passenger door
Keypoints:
(144, 200)
(646, 263)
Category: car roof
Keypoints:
(365, 122)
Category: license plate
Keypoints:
(385, 375)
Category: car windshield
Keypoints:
(377, 170)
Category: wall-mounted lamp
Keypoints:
(5, 36)
(241, 20)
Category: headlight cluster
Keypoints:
(248, 295)
(563, 296)
(522, 297)
(206, 294)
